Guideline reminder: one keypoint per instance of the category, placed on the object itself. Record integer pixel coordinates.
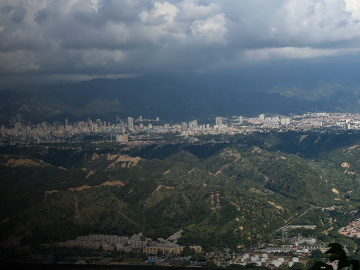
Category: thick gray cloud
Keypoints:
(86, 38)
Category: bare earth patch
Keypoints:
(90, 174)
(157, 189)
(124, 161)
(302, 137)
(256, 150)
(5, 220)
(111, 157)
(25, 163)
(107, 183)
(95, 156)
(351, 148)
(238, 207)
(50, 192)
(112, 184)
(345, 165)
(80, 188)
(276, 206)
(187, 173)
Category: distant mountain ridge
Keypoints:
(173, 97)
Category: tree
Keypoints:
(283, 267)
(211, 264)
(317, 254)
(337, 253)
(187, 251)
(298, 266)
(321, 266)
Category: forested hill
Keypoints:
(261, 189)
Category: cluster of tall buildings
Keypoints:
(20, 132)
(122, 130)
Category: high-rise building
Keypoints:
(218, 121)
(183, 126)
(262, 117)
(285, 121)
(122, 124)
(130, 123)
(2, 131)
(241, 120)
(19, 118)
(157, 119)
(122, 138)
(13, 121)
(193, 124)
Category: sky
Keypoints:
(70, 40)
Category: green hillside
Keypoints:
(260, 189)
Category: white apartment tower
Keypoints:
(285, 121)
(183, 126)
(130, 123)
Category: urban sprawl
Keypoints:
(168, 252)
(140, 130)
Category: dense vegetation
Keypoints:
(168, 188)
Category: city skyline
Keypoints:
(124, 130)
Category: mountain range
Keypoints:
(177, 97)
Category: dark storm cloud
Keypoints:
(43, 16)
(50, 37)
(16, 14)
(124, 11)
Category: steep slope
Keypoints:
(259, 192)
